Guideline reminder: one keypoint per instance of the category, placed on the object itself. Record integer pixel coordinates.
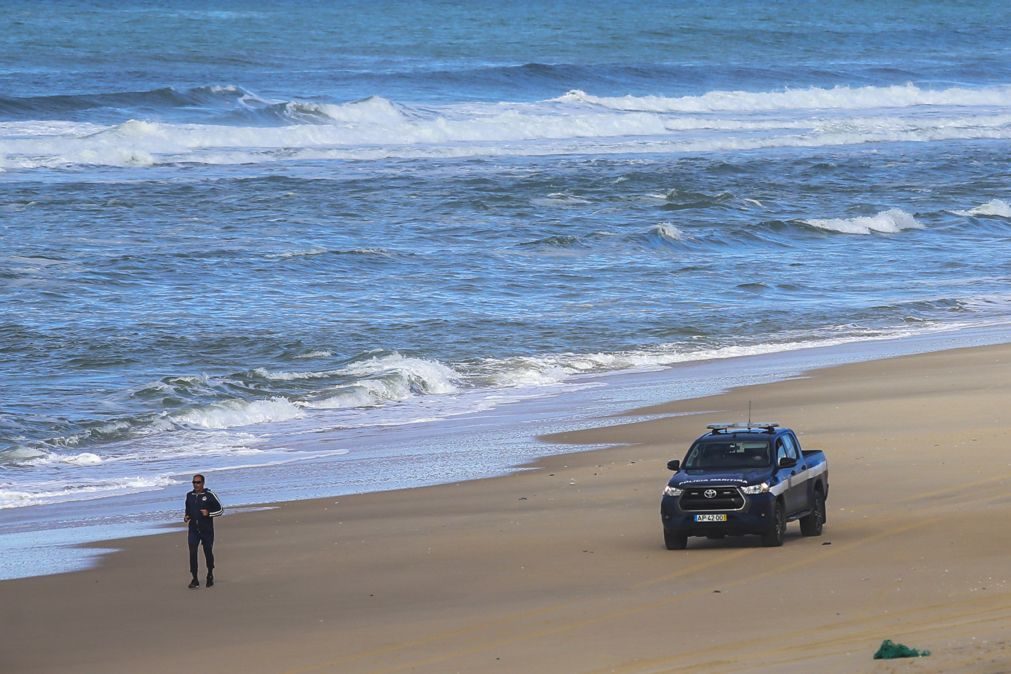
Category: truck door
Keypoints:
(795, 496)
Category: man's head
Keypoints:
(198, 482)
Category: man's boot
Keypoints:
(210, 579)
(194, 583)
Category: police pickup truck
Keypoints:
(740, 479)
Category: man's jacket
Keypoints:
(205, 500)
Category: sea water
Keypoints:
(321, 250)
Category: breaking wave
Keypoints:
(887, 222)
(812, 98)
(994, 207)
(665, 233)
(16, 496)
(257, 131)
(237, 413)
(166, 98)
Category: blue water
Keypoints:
(229, 234)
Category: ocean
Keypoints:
(319, 250)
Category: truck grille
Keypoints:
(725, 498)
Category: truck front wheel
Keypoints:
(675, 541)
(811, 525)
(774, 537)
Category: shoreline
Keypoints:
(612, 398)
(562, 568)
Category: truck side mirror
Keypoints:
(674, 465)
(787, 462)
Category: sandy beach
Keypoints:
(562, 568)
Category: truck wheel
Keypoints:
(675, 541)
(774, 537)
(811, 525)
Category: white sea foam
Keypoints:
(17, 456)
(526, 371)
(366, 394)
(668, 231)
(294, 376)
(313, 252)
(373, 392)
(560, 199)
(235, 413)
(381, 379)
(406, 375)
(576, 122)
(839, 98)
(891, 221)
(82, 459)
(104, 431)
(41, 458)
(315, 354)
(554, 369)
(551, 369)
(515, 136)
(997, 207)
(183, 443)
(372, 110)
(20, 495)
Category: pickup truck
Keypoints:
(739, 479)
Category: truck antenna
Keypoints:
(749, 413)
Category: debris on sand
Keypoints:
(890, 650)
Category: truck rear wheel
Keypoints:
(675, 541)
(812, 524)
(774, 537)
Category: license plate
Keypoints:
(710, 518)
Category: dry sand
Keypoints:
(562, 568)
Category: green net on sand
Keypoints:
(890, 650)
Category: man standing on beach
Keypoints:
(202, 506)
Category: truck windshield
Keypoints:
(734, 454)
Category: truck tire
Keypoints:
(774, 537)
(675, 541)
(811, 525)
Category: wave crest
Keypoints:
(390, 378)
(416, 375)
(994, 207)
(840, 97)
(888, 222)
(236, 413)
(79, 490)
(376, 128)
(164, 98)
(667, 232)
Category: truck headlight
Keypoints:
(672, 491)
(756, 488)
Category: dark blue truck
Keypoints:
(740, 479)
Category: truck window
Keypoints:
(780, 450)
(728, 454)
(791, 447)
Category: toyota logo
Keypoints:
(709, 493)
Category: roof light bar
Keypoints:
(767, 426)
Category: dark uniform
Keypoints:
(202, 527)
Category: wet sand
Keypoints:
(561, 568)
